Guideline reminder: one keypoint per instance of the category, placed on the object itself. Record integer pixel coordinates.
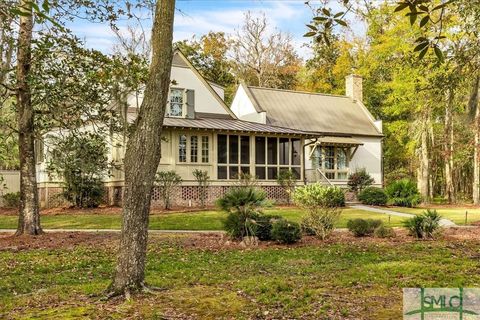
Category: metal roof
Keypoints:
(313, 112)
(339, 141)
(229, 125)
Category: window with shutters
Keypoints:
(176, 103)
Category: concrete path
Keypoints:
(443, 222)
(118, 230)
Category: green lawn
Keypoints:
(457, 215)
(203, 220)
(357, 280)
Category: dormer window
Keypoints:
(176, 103)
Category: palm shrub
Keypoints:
(359, 180)
(167, 181)
(403, 193)
(243, 205)
(373, 196)
(286, 231)
(425, 225)
(263, 226)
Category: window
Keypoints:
(281, 154)
(190, 143)
(175, 108)
(333, 161)
(182, 148)
(193, 149)
(233, 156)
(205, 149)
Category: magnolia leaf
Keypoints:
(326, 11)
(401, 6)
(423, 53)
(339, 14)
(312, 27)
(320, 19)
(421, 46)
(439, 54)
(413, 17)
(310, 34)
(341, 22)
(424, 21)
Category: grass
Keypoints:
(358, 280)
(456, 215)
(202, 220)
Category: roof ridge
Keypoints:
(299, 91)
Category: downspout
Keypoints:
(304, 160)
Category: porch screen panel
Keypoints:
(283, 148)
(259, 150)
(233, 149)
(222, 148)
(244, 150)
(272, 151)
(296, 152)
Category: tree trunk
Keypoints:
(449, 188)
(142, 157)
(29, 216)
(474, 105)
(424, 167)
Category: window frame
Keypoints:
(335, 171)
(238, 166)
(276, 167)
(188, 147)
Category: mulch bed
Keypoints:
(55, 240)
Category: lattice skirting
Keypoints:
(184, 196)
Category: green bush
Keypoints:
(243, 206)
(425, 225)
(167, 181)
(363, 227)
(403, 193)
(316, 195)
(321, 222)
(359, 180)
(286, 231)
(263, 228)
(11, 200)
(373, 196)
(384, 232)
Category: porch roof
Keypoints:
(212, 123)
(344, 141)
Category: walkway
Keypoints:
(443, 222)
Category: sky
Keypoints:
(198, 17)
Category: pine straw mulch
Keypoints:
(213, 241)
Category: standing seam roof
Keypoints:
(314, 112)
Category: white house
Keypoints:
(346, 136)
(265, 132)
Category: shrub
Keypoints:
(384, 232)
(314, 196)
(243, 205)
(286, 231)
(263, 228)
(403, 193)
(373, 196)
(363, 227)
(425, 225)
(11, 200)
(321, 222)
(287, 180)
(359, 180)
(202, 180)
(167, 181)
(82, 162)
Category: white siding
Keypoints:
(369, 156)
(244, 109)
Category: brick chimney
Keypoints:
(354, 87)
